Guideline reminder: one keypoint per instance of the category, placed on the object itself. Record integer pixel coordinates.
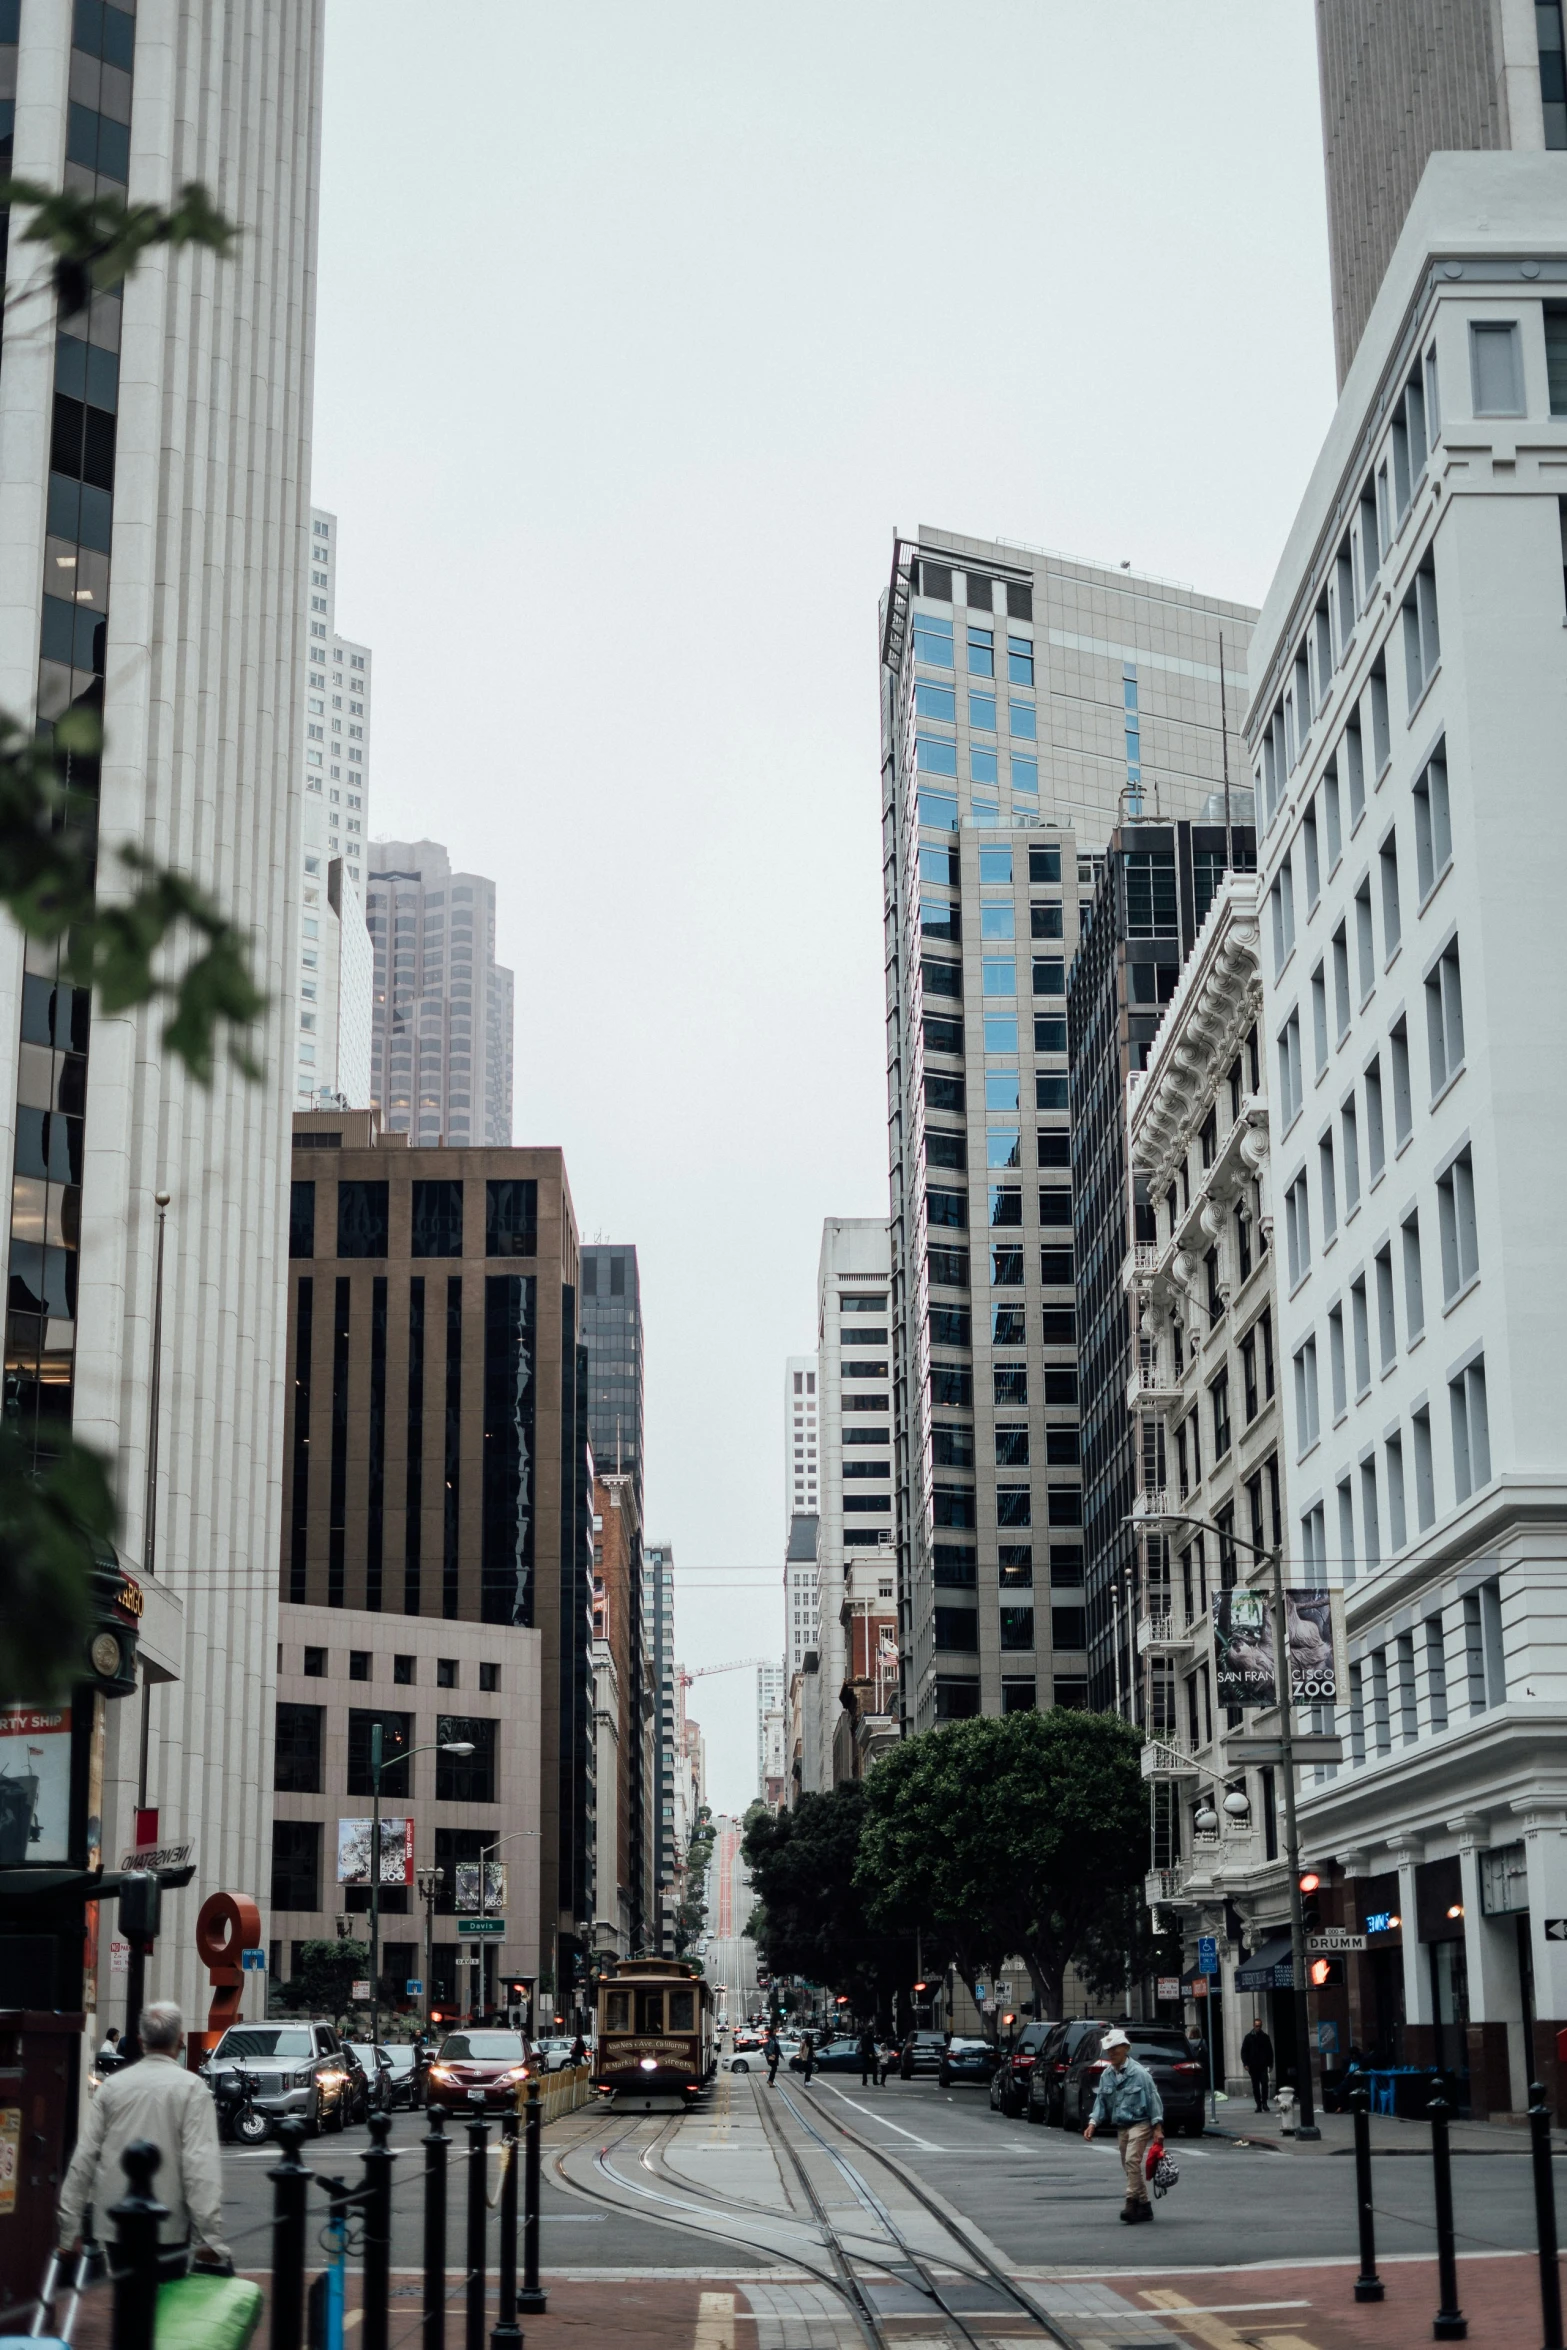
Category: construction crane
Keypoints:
(736, 1664)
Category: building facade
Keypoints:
(1028, 701)
(612, 1334)
(867, 1720)
(1410, 672)
(151, 562)
(800, 1434)
(1155, 887)
(441, 1034)
(623, 1716)
(804, 1679)
(332, 1042)
(658, 1614)
(855, 1444)
(772, 1691)
(436, 1461)
(1402, 80)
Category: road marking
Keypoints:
(715, 2322)
(1209, 2326)
(928, 2144)
(1206, 2308)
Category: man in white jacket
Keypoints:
(171, 2108)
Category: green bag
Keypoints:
(207, 2313)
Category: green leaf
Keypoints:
(52, 1527)
(97, 241)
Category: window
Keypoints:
(1436, 1671)
(1365, 942)
(982, 712)
(1326, 1185)
(1433, 825)
(302, 1220)
(446, 1672)
(1445, 1017)
(1397, 1525)
(1281, 906)
(982, 767)
(995, 865)
(1011, 1383)
(1455, 1208)
(1297, 1228)
(1307, 1428)
(1387, 1331)
(1398, 1054)
(1044, 864)
(405, 1670)
(1049, 975)
(1308, 842)
(361, 1219)
(466, 1778)
(1006, 1203)
(1414, 1287)
(315, 1664)
(1337, 1374)
(996, 922)
(934, 755)
(296, 1864)
(1249, 1374)
(932, 640)
(1000, 977)
(1319, 1015)
(1045, 919)
(982, 652)
(1220, 1394)
(489, 1676)
(1370, 1513)
(1471, 1430)
(1360, 1330)
(946, 1036)
(1025, 775)
(1349, 1128)
(1012, 1448)
(1555, 315)
(1496, 368)
(1381, 736)
(297, 1749)
(1017, 1627)
(1020, 660)
(1024, 722)
(397, 1735)
(1425, 1484)
(1376, 1141)
(359, 1664)
(437, 1219)
(1291, 1075)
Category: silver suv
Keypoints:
(299, 2067)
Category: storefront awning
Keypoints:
(1269, 1969)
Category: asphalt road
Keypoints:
(1044, 2199)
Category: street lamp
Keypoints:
(1306, 2123)
(435, 1746)
(429, 1880)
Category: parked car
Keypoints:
(921, 2053)
(477, 2072)
(967, 2060)
(395, 2073)
(1046, 2082)
(554, 2054)
(299, 2069)
(356, 2064)
(1180, 2080)
(1009, 2082)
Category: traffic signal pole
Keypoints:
(1306, 2119)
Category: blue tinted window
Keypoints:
(1006, 1268)
(982, 652)
(1025, 775)
(937, 757)
(1050, 1036)
(1024, 721)
(982, 712)
(939, 865)
(1006, 1325)
(995, 864)
(1001, 1032)
(939, 811)
(938, 918)
(932, 640)
(982, 767)
(1129, 689)
(1133, 746)
(1000, 977)
(995, 922)
(936, 701)
(1020, 660)
(1001, 1091)
(1001, 1147)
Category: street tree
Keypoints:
(1021, 1835)
(811, 1917)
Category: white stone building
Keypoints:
(1409, 706)
(332, 1032)
(853, 1360)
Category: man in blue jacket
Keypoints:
(1130, 2103)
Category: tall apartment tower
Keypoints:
(332, 1039)
(1402, 80)
(1153, 896)
(772, 1692)
(612, 1334)
(151, 561)
(1028, 703)
(441, 1035)
(658, 1609)
(800, 1435)
(854, 1396)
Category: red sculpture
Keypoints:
(229, 1924)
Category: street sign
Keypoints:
(1334, 1941)
(1207, 1954)
(1199, 1987)
(1556, 1929)
(361, 1990)
(1307, 1746)
(254, 1961)
(413, 1988)
(1168, 1987)
(481, 1925)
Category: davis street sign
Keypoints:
(1334, 1942)
(481, 1925)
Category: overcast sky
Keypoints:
(641, 329)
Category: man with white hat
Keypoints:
(1129, 2101)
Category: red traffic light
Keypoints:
(1310, 1881)
(922, 1986)
(843, 1999)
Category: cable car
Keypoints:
(656, 2048)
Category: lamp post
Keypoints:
(435, 1746)
(430, 1880)
(1306, 2123)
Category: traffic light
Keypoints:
(1326, 1974)
(141, 1905)
(1311, 1914)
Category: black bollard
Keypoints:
(376, 2203)
(290, 2188)
(507, 2335)
(1450, 2323)
(532, 2297)
(478, 2144)
(136, 2218)
(1545, 2216)
(1368, 2285)
(434, 2322)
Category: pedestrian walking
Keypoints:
(870, 2070)
(808, 2054)
(174, 2110)
(111, 2052)
(891, 2054)
(1130, 2104)
(772, 2052)
(1257, 2057)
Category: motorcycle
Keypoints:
(234, 2095)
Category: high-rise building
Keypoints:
(800, 1609)
(441, 1035)
(624, 1726)
(1029, 701)
(854, 1399)
(658, 1610)
(612, 1334)
(772, 1690)
(1157, 884)
(332, 1039)
(150, 570)
(436, 1454)
(800, 1432)
(1406, 724)
(1402, 80)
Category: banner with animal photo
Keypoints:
(1243, 1647)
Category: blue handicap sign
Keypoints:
(1207, 1954)
(414, 1988)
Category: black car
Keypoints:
(1180, 2080)
(967, 2060)
(921, 2053)
(832, 2056)
(1044, 2101)
(1009, 2083)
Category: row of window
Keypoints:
(1405, 1685)
(944, 1035)
(957, 1506)
(952, 1447)
(300, 1741)
(940, 702)
(1397, 1495)
(957, 1629)
(943, 917)
(955, 1565)
(937, 756)
(933, 648)
(511, 1218)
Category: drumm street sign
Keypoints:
(1334, 1942)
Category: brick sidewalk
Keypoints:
(1499, 2295)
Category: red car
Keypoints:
(478, 2072)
